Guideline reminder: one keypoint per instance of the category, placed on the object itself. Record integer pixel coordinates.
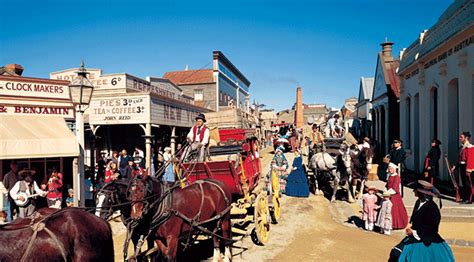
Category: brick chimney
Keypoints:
(299, 121)
(15, 68)
(387, 49)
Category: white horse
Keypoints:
(339, 170)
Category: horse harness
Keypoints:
(165, 212)
(38, 226)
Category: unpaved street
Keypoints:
(313, 229)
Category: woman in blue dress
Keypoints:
(423, 243)
(296, 182)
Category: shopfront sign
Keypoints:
(138, 84)
(66, 112)
(99, 81)
(453, 50)
(164, 113)
(123, 110)
(33, 88)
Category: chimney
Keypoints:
(387, 48)
(15, 68)
(299, 121)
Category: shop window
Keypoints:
(198, 95)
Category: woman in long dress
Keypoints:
(296, 182)
(399, 212)
(279, 167)
(423, 242)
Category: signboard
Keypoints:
(123, 110)
(66, 112)
(99, 81)
(121, 81)
(33, 88)
(164, 113)
(138, 84)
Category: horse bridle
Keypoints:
(110, 194)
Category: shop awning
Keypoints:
(36, 137)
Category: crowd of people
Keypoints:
(24, 194)
(384, 210)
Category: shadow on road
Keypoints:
(355, 220)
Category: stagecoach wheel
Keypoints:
(261, 217)
(275, 211)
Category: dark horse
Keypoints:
(57, 235)
(174, 214)
(112, 197)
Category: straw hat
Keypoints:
(167, 149)
(371, 186)
(386, 194)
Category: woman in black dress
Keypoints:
(423, 242)
(431, 171)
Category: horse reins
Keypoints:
(40, 226)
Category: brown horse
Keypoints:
(57, 235)
(177, 214)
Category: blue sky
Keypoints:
(323, 46)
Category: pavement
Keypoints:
(450, 209)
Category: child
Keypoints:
(369, 214)
(70, 199)
(3, 217)
(385, 215)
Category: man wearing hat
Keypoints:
(198, 138)
(397, 156)
(27, 187)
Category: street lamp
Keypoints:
(81, 90)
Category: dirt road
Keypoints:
(313, 229)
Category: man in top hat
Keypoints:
(198, 138)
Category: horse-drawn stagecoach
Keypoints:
(239, 168)
(201, 202)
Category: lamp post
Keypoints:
(81, 90)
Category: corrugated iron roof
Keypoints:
(189, 77)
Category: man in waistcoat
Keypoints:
(198, 139)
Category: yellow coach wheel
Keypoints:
(262, 226)
(276, 211)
